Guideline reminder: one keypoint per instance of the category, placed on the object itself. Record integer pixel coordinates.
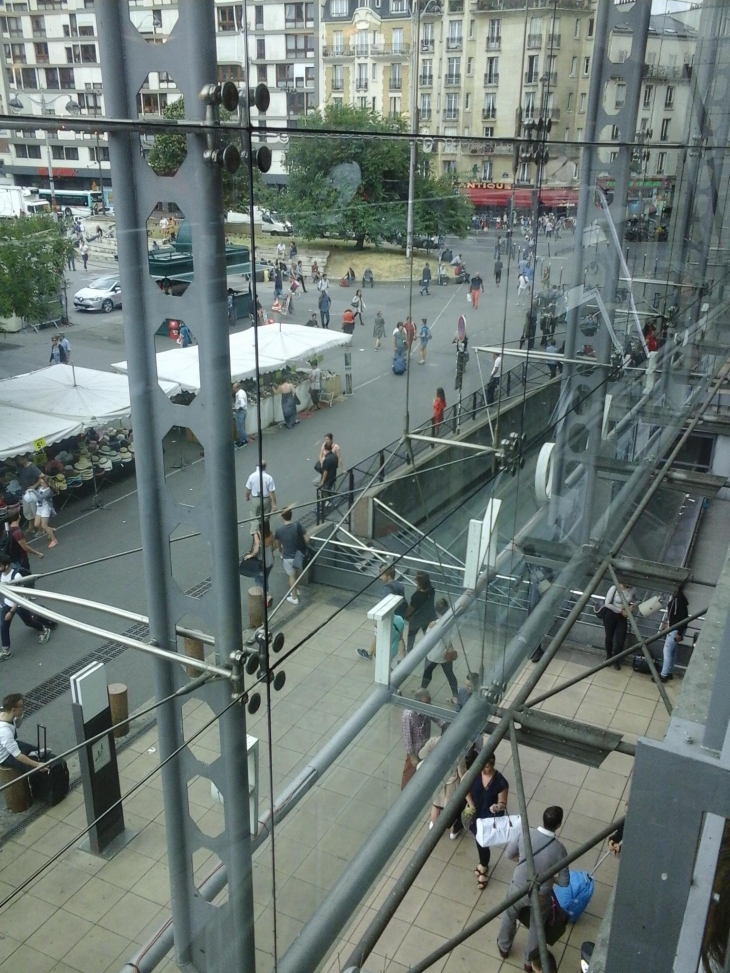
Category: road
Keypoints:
(362, 423)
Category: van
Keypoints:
(263, 220)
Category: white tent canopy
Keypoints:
(68, 392)
(279, 345)
(24, 432)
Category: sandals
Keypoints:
(482, 877)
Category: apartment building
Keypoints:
(367, 54)
(50, 65)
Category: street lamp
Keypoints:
(436, 9)
(72, 107)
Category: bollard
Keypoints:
(193, 649)
(119, 705)
(255, 607)
(17, 797)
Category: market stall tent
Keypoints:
(69, 392)
(279, 345)
(22, 431)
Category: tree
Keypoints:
(356, 185)
(168, 154)
(33, 252)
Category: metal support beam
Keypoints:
(451, 442)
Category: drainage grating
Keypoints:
(57, 685)
(198, 590)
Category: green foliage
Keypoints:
(168, 154)
(319, 205)
(33, 251)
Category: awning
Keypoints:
(26, 432)
(72, 393)
(489, 196)
(279, 345)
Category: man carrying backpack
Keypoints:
(14, 545)
(9, 609)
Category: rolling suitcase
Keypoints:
(52, 786)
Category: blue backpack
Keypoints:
(399, 365)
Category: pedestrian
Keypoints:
(397, 645)
(399, 340)
(44, 510)
(288, 404)
(300, 276)
(328, 474)
(231, 307)
(85, 256)
(425, 280)
(498, 271)
(450, 784)
(487, 799)
(315, 383)
(315, 272)
(442, 654)
(677, 611)
(494, 377)
(437, 414)
(415, 731)
(464, 694)
(65, 345)
(14, 753)
(476, 285)
(292, 540)
(313, 322)
(323, 283)
(547, 851)
(535, 963)
(278, 285)
(424, 336)
(9, 609)
(71, 259)
(553, 364)
(421, 611)
(378, 329)
(615, 619)
(410, 330)
(324, 303)
(56, 351)
(186, 338)
(29, 477)
(17, 547)
(348, 320)
(391, 586)
(292, 250)
(498, 248)
(262, 550)
(329, 438)
(280, 250)
(240, 411)
(358, 306)
(522, 286)
(261, 482)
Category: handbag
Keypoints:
(468, 296)
(555, 924)
(250, 567)
(297, 401)
(451, 655)
(492, 832)
(318, 467)
(600, 612)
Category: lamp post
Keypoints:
(435, 8)
(72, 107)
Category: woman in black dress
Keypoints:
(421, 611)
(488, 799)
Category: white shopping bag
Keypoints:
(498, 831)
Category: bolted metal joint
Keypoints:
(508, 455)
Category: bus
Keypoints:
(75, 202)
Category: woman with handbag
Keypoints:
(358, 306)
(262, 555)
(442, 654)
(487, 799)
(420, 612)
(289, 404)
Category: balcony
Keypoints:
(494, 43)
(658, 72)
(424, 115)
(337, 52)
(395, 84)
(361, 84)
(454, 43)
(456, 6)
(534, 41)
(362, 50)
(452, 79)
(427, 46)
(426, 80)
(490, 5)
(390, 50)
(489, 112)
(491, 78)
(338, 84)
(532, 77)
(40, 33)
(553, 40)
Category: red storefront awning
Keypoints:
(500, 194)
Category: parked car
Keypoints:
(102, 294)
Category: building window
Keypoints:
(591, 25)
(397, 40)
(34, 151)
(338, 8)
(450, 167)
(492, 75)
(586, 66)
(569, 106)
(533, 69)
(523, 173)
(453, 70)
(576, 32)
(29, 78)
(612, 156)
(472, 29)
(615, 134)
(65, 152)
(338, 77)
(582, 101)
(488, 131)
(66, 77)
(579, 134)
(89, 102)
(284, 75)
(99, 154)
(300, 45)
(664, 133)
(395, 77)
(11, 26)
(454, 39)
(398, 6)
(620, 96)
(661, 161)
(467, 103)
(574, 67)
(648, 91)
(258, 16)
(395, 105)
(470, 66)
(17, 53)
(528, 110)
(361, 43)
(41, 53)
(490, 106)
(298, 15)
(669, 98)
(260, 48)
(338, 46)
(81, 54)
(229, 18)
(226, 72)
(425, 110)
(487, 171)
(495, 34)
(452, 106)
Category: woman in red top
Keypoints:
(651, 343)
(410, 332)
(437, 417)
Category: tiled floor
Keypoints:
(87, 915)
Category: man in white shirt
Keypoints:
(240, 408)
(14, 752)
(615, 619)
(494, 377)
(261, 479)
(323, 284)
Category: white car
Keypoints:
(102, 294)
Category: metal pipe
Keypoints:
(498, 909)
(159, 653)
(452, 442)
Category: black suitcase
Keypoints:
(49, 786)
(639, 664)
